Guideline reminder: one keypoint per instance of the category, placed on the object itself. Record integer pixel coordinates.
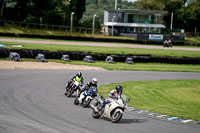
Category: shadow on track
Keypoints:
(129, 121)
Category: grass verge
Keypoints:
(105, 50)
(193, 39)
(134, 67)
(138, 66)
(21, 30)
(179, 98)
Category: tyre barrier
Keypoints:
(74, 55)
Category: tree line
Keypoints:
(58, 12)
(186, 13)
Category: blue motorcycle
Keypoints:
(86, 97)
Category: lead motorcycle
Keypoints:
(86, 97)
(113, 110)
(70, 89)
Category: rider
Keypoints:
(78, 77)
(112, 95)
(90, 84)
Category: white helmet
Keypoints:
(94, 81)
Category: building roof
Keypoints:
(138, 11)
(133, 25)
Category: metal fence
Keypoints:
(50, 27)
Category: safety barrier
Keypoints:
(4, 52)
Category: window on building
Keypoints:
(130, 18)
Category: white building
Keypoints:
(126, 21)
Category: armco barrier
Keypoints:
(100, 57)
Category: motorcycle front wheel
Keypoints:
(86, 102)
(70, 92)
(116, 116)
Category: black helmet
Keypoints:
(119, 89)
(79, 74)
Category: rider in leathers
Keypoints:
(112, 95)
(78, 77)
(90, 84)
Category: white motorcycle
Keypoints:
(113, 110)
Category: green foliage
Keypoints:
(139, 66)
(78, 7)
(51, 11)
(150, 4)
(98, 6)
(19, 7)
(58, 12)
(185, 14)
(165, 31)
(193, 40)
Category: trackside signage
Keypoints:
(155, 37)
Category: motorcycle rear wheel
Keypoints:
(66, 90)
(70, 92)
(76, 102)
(95, 115)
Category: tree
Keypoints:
(186, 13)
(151, 4)
(1, 7)
(19, 7)
(78, 7)
(44, 9)
(174, 6)
(193, 12)
(51, 11)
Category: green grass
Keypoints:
(110, 50)
(139, 66)
(171, 97)
(193, 39)
(134, 67)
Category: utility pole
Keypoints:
(93, 24)
(71, 21)
(115, 4)
(2, 4)
(112, 24)
(171, 20)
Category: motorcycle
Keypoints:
(70, 89)
(167, 44)
(113, 110)
(86, 97)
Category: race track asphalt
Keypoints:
(33, 101)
